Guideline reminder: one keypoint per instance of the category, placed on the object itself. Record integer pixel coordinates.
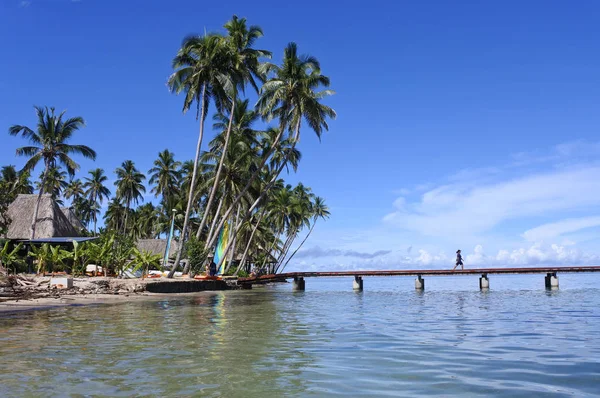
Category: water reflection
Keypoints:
(326, 341)
(214, 344)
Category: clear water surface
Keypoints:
(517, 339)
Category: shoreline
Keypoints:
(44, 303)
(35, 292)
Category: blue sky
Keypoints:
(460, 124)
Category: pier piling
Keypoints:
(551, 280)
(358, 283)
(298, 284)
(484, 282)
(419, 283)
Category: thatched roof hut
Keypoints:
(52, 222)
(157, 246)
(75, 222)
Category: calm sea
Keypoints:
(517, 339)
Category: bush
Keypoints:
(196, 254)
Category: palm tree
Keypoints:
(319, 210)
(291, 97)
(201, 73)
(74, 190)
(50, 145)
(96, 191)
(165, 176)
(17, 180)
(130, 186)
(243, 142)
(54, 183)
(114, 214)
(245, 68)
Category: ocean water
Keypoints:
(517, 339)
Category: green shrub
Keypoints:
(196, 254)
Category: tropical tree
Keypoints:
(165, 177)
(144, 260)
(144, 222)
(245, 69)
(17, 181)
(96, 191)
(9, 256)
(50, 144)
(289, 95)
(74, 190)
(41, 255)
(130, 186)
(114, 215)
(55, 182)
(319, 210)
(201, 73)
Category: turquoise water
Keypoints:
(517, 339)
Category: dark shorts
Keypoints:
(459, 263)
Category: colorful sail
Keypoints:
(221, 246)
(166, 256)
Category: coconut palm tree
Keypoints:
(74, 190)
(201, 72)
(96, 191)
(165, 177)
(291, 96)
(50, 144)
(244, 140)
(17, 180)
(114, 214)
(130, 186)
(245, 69)
(144, 222)
(54, 183)
(319, 210)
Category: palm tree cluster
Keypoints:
(233, 185)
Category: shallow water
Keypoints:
(517, 339)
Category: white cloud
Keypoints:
(559, 228)
(471, 209)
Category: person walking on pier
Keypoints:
(459, 261)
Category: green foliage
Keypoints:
(196, 254)
(41, 256)
(145, 260)
(112, 251)
(50, 258)
(6, 198)
(10, 258)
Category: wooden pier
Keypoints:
(551, 278)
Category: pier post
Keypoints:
(551, 280)
(484, 282)
(419, 283)
(358, 283)
(298, 284)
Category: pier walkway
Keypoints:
(551, 278)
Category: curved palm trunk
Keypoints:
(263, 193)
(126, 215)
(232, 254)
(95, 214)
(215, 218)
(286, 248)
(211, 241)
(217, 176)
(192, 186)
(39, 200)
(301, 243)
(241, 264)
